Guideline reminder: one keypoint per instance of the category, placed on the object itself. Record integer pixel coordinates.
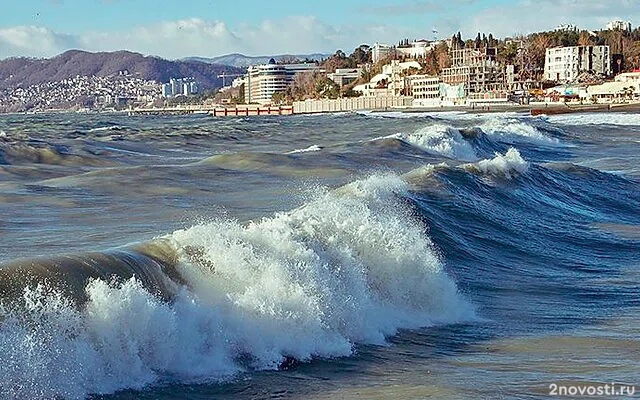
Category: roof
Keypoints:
(379, 77)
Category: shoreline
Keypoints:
(530, 109)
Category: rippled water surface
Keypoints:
(372, 255)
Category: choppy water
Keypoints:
(336, 256)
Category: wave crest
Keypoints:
(351, 266)
(506, 165)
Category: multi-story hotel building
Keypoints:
(262, 81)
(564, 64)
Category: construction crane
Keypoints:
(224, 77)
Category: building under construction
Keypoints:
(478, 70)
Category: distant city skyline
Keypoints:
(207, 28)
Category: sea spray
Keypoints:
(351, 266)
(515, 129)
(506, 165)
(439, 140)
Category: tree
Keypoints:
(279, 98)
(361, 55)
(507, 54)
(492, 41)
(326, 88)
(585, 39)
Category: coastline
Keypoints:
(533, 109)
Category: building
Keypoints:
(632, 77)
(380, 52)
(566, 28)
(167, 90)
(393, 81)
(415, 49)
(344, 76)
(476, 69)
(611, 92)
(396, 74)
(426, 90)
(180, 86)
(564, 64)
(619, 25)
(263, 81)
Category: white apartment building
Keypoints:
(426, 90)
(262, 81)
(564, 64)
(619, 25)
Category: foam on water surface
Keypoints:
(351, 266)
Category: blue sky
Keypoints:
(175, 29)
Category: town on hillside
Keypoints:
(563, 66)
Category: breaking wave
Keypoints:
(507, 165)
(441, 140)
(351, 266)
(623, 119)
(309, 149)
(513, 129)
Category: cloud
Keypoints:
(198, 37)
(305, 34)
(528, 16)
(34, 41)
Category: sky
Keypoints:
(208, 28)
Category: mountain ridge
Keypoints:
(239, 60)
(24, 71)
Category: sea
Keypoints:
(372, 255)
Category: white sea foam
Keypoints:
(309, 149)
(3, 134)
(502, 165)
(440, 139)
(512, 129)
(622, 119)
(351, 266)
(106, 128)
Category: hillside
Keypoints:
(242, 61)
(25, 72)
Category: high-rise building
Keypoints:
(262, 81)
(564, 64)
(180, 86)
(166, 90)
